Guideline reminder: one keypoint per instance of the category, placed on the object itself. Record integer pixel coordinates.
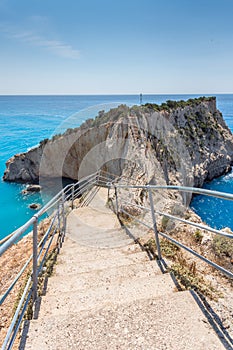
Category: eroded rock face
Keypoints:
(183, 145)
(24, 167)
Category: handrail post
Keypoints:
(72, 203)
(117, 204)
(58, 218)
(58, 228)
(63, 218)
(108, 191)
(154, 223)
(34, 274)
(97, 178)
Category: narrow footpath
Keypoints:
(105, 293)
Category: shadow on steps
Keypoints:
(213, 320)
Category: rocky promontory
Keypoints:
(184, 142)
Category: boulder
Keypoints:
(34, 206)
(31, 189)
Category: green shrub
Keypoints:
(178, 104)
(223, 246)
(198, 235)
(168, 249)
(164, 222)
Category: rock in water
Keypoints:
(33, 188)
(35, 206)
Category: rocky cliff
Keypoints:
(185, 142)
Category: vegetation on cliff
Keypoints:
(171, 104)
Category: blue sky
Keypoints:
(120, 47)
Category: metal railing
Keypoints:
(59, 207)
(119, 208)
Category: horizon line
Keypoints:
(117, 94)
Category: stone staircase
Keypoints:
(107, 294)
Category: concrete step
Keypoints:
(71, 265)
(102, 233)
(107, 243)
(105, 277)
(83, 253)
(171, 322)
(103, 230)
(117, 245)
(125, 291)
(92, 219)
(70, 246)
(103, 238)
(99, 201)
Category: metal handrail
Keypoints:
(150, 188)
(176, 218)
(40, 244)
(64, 199)
(57, 225)
(195, 190)
(181, 245)
(3, 297)
(202, 227)
(18, 233)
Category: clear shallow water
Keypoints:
(215, 211)
(26, 120)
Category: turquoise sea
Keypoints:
(26, 120)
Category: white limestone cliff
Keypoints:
(181, 143)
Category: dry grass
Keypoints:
(185, 270)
